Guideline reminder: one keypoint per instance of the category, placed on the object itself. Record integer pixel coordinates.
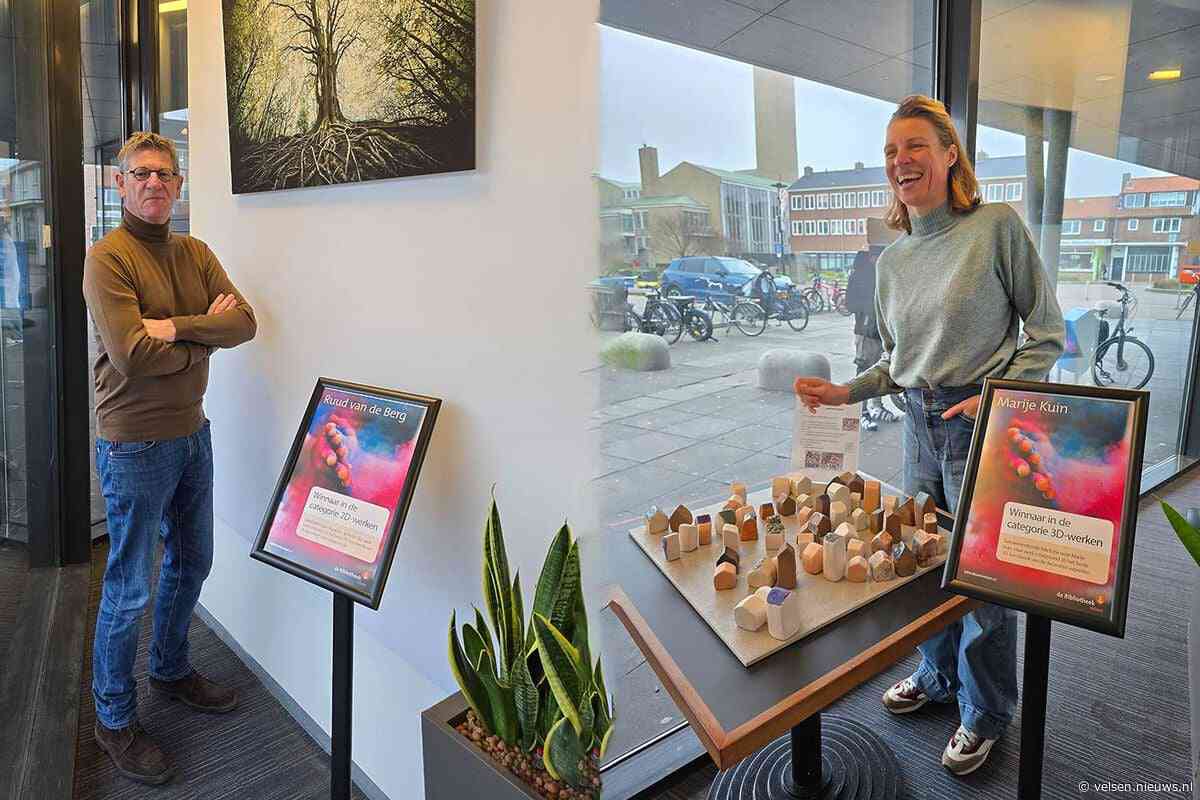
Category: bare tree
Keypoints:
(324, 36)
(429, 51)
(675, 236)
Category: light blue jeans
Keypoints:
(975, 658)
(151, 489)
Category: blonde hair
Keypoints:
(963, 186)
(145, 140)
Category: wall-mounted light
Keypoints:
(1166, 74)
(1105, 77)
(172, 5)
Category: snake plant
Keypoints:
(1185, 529)
(533, 683)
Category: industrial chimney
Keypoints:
(648, 160)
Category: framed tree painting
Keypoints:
(323, 92)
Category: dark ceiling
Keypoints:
(1092, 57)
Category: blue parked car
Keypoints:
(704, 276)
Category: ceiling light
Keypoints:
(1105, 77)
(172, 5)
(1166, 74)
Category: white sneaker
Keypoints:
(904, 697)
(966, 752)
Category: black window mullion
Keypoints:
(148, 35)
(956, 64)
(56, 375)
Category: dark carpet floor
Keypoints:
(1117, 710)
(14, 576)
(257, 752)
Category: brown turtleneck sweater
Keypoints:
(148, 389)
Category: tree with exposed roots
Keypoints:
(408, 106)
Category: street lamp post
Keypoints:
(780, 210)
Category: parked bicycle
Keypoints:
(658, 317)
(696, 322)
(1187, 301)
(822, 297)
(746, 316)
(1122, 360)
(793, 311)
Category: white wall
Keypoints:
(467, 287)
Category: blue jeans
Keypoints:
(151, 490)
(975, 658)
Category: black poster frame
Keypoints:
(1116, 627)
(399, 513)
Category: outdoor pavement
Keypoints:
(684, 434)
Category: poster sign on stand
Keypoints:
(1049, 502)
(336, 515)
(345, 489)
(1046, 520)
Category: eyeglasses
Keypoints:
(143, 174)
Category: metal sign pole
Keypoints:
(1033, 706)
(343, 694)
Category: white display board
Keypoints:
(821, 601)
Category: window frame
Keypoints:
(1099, 225)
(1171, 194)
(1071, 227)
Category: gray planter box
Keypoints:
(455, 769)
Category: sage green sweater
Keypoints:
(951, 297)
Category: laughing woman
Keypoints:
(951, 297)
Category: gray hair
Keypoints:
(144, 140)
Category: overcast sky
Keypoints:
(695, 106)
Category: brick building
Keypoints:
(829, 211)
(1139, 235)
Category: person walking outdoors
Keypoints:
(952, 297)
(860, 300)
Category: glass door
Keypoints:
(25, 252)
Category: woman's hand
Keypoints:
(817, 392)
(970, 407)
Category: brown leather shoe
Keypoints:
(198, 692)
(134, 753)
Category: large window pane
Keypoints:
(733, 168)
(1108, 156)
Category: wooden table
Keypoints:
(735, 711)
